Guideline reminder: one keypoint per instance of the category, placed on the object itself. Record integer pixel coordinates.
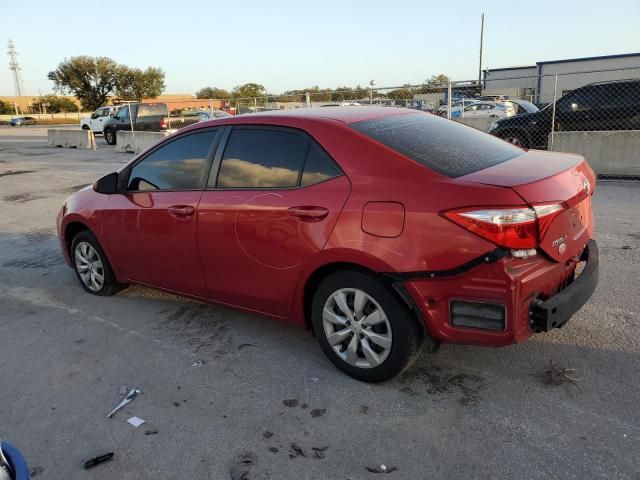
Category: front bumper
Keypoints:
(555, 311)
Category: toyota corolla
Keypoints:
(382, 230)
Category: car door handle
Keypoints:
(181, 211)
(309, 213)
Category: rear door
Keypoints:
(273, 198)
(151, 227)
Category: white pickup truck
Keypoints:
(98, 118)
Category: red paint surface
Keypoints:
(256, 249)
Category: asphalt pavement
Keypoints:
(226, 393)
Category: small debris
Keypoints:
(315, 379)
(135, 421)
(318, 452)
(176, 404)
(267, 434)
(273, 450)
(179, 387)
(364, 409)
(304, 406)
(130, 396)
(296, 451)
(292, 402)
(198, 364)
(241, 467)
(98, 460)
(381, 469)
(36, 471)
(151, 432)
(556, 375)
(318, 412)
(625, 247)
(245, 345)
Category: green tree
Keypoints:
(440, 79)
(54, 104)
(137, 84)
(248, 90)
(213, 92)
(6, 108)
(90, 79)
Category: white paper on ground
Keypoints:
(135, 421)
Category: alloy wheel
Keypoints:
(357, 328)
(89, 266)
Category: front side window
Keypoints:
(262, 158)
(178, 165)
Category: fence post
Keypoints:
(211, 106)
(449, 100)
(133, 135)
(553, 111)
(308, 100)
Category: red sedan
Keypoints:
(380, 229)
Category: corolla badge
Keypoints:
(559, 242)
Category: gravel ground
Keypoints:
(229, 392)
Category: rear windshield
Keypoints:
(152, 109)
(444, 146)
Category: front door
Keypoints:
(270, 210)
(151, 227)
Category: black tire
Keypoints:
(515, 138)
(407, 335)
(110, 136)
(109, 286)
(86, 127)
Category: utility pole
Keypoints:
(480, 65)
(14, 66)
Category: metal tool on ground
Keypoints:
(130, 396)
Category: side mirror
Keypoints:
(112, 115)
(107, 184)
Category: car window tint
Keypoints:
(152, 109)
(177, 165)
(446, 147)
(318, 167)
(256, 158)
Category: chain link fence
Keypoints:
(528, 111)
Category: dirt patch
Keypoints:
(433, 380)
(39, 235)
(74, 188)
(21, 197)
(45, 259)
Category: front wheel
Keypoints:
(91, 265)
(363, 328)
(86, 127)
(110, 136)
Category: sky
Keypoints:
(285, 44)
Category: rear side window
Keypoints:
(318, 167)
(444, 146)
(257, 158)
(178, 165)
(152, 109)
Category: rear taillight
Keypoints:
(163, 122)
(514, 227)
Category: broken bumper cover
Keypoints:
(555, 311)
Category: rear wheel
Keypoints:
(91, 265)
(110, 136)
(363, 328)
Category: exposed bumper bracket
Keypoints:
(555, 311)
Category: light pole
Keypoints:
(372, 84)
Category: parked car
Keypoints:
(484, 109)
(613, 105)
(494, 98)
(18, 121)
(442, 111)
(151, 117)
(522, 106)
(97, 119)
(381, 229)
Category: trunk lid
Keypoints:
(543, 178)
